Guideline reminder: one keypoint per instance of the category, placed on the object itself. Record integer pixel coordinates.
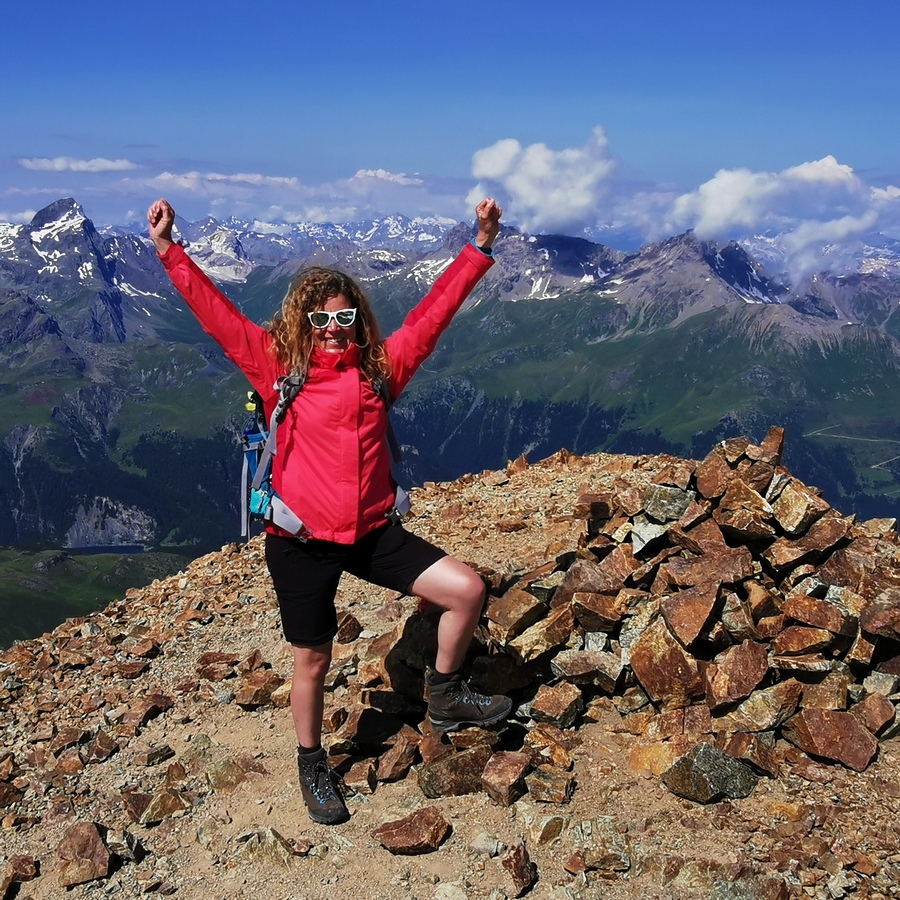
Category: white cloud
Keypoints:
(69, 164)
(544, 189)
(18, 218)
(384, 175)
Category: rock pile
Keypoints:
(725, 607)
(721, 613)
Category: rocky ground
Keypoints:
(148, 748)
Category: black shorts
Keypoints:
(306, 575)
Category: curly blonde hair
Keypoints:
(292, 332)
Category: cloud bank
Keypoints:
(68, 164)
(813, 215)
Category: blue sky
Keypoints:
(651, 116)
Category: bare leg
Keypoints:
(459, 592)
(308, 692)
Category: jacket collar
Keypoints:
(345, 360)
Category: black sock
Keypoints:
(308, 751)
(441, 678)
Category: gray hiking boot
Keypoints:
(454, 704)
(318, 784)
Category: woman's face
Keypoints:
(334, 338)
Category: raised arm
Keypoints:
(488, 215)
(161, 218)
(410, 345)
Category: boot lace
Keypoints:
(320, 781)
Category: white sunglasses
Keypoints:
(322, 319)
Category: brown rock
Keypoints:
(454, 774)
(874, 711)
(737, 617)
(399, 759)
(714, 474)
(361, 777)
(503, 778)
(597, 667)
(548, 784)
(521, 869)
(833, 735)
(605, 577)
(882, 616)
(101, 747)
(511, 614)
(135, 803)
(548, 744)
(688, 612)
(772, 446)
(828, 693)
(821, 537)
(861, 650)
(349, 628)
(164, 803)
(598, 612)
(797, 508)
(256, 689)
(216, 666)
(546, 635)
(666, 672)
(764, 709)
(143, 709)
(421, 832)
(19, 868)
(744, 514)
(82, 854)
(797, 639)
(735, 673)
(726, 565)
(820, 614)
(757, 749)
(559, 705)
(704, 537)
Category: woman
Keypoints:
(332, 468)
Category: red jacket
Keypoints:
(332, 466)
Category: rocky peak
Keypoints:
(714, 629)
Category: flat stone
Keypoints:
(814, 545)
(802, 662)
(256, 689)
(882, 616)
(665, 503)
(154, 755)
(454, 774)
(703, 537)
(399, 759)
(862, 650)
(667, 673)
(764, 709)
(874, 711)
(735, 673)
(361, 777)
(744, 514)
(421, 832)
(597, 667)
(598, 612)
(726, 565)
(165, 802)
(797, 508)
(216, 666)
(521, 869)
(546, 635)
(135, 803)
(830, 692)
(143, 709)
(547, 784)
(602, 846)
(82, 855)
(714, 474)
(513, 613)
(544, 588)
(833, 735)
(225, 774)
(737, 617)
(605, 577)
(688, 612)
(820, 613)
(503, 778)
(559, 705)
(706, 775)
(646, 535)
(548, 744)
(349, 628)
(101, 747)
(798, 639)
(124, 844)
(759, 750)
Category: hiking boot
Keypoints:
(319, 788)
(454, 704)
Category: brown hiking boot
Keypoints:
(454, 704)
(318, 784)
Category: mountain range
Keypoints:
(119, 417)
